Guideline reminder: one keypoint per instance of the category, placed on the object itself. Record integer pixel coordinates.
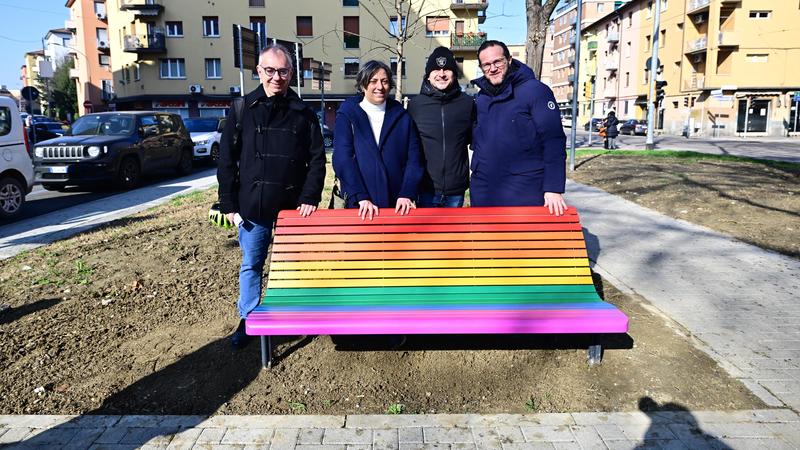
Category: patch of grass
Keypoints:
(691, 156)
(188, 198)
(53, 275)
(395, 408)
(532, 404)
(83, 272)
(298, 407)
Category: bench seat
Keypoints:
(503, 270)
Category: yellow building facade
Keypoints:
(178, 55)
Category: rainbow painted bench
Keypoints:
(500, 270)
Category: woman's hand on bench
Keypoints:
(306, 210)
(555, 203)
(367, 209)
(404, 205)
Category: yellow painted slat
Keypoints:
(428, 263)
(489, 281)
(410, 273)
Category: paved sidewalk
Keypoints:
(738, 300)
(775, 429)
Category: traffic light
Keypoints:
(587, 89)
(660, 91)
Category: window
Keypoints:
(173, 68)
(647, 44)
(167, 124)
(351, 30)
(350, 67)
(630, 19)
(628, 50)
(137, 72)
(102, 37)
(306, 64)
(599, 7)
(174, 29)
(627, 80)
(108, 89)
(259, 25)
(126, 75)
(100, 10)
(104, 60)
(393, 26)
(5, 121)
(213, 68)
(663, 5)
(760, 14)
(757, 57)
(305, 26)
(393, 62)
(663, 39)
(649, 9)
(256, 3)
(437, 26)
(349, 2)
(211, 26)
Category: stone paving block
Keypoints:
(614, 418)
(775, 415)
(152, 435)
(567, 446)
(310, 436)
(588, 437)
(496, 420)
(259, 436)
(487, 438)
(347, 436)
(114, 447)
(211, 435)
(610, 431)
(355, 447)
(139, 421)
(529, 446)
(762, 393)
(789, 432)
(385, 439)
(180, 421)
(409, 435)
(647, 433)
(112, 435)
(408, 420)
(320, 447)
(152, 447)
(265, 421)
(441, 435)
(462, 446)
(779, 387)
(49, 437)
(419, 446)
(547, 433)
(218, 447)
(738, 430)
(284, 439)
(184, 439)
(756, 444)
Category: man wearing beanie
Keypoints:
(444, 115)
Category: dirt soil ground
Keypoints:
(133, 318)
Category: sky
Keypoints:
(23, 24)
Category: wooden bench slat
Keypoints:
(424, 237)
(460, 228)
(428, 263)
(430, 273)
(466, 281)
(436, 245)
(441, 254)
(510, 211)
(424, 300)
(429, 290)
(413, 218)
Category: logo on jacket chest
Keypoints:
(551, 105)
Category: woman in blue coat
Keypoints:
(376, 152)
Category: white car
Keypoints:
(206, 133)
(16, 168)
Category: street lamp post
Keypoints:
(651, 98)
(575, 84)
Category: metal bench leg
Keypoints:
(266, 352)
(595, 354)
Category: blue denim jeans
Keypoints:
(431, 200)
(254, 240)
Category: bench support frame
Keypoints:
(266, 352)
(595, 354)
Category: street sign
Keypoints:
(249, 50)
(29, 93)
(649, 60)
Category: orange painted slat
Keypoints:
(408, 246)
(460, 228)
(441, 254)
(425, 237)
(439, 212)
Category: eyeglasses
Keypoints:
(500, 62)
(271, 71)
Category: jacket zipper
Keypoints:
(444, 154)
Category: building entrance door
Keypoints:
(755, 116)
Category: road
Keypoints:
(779, 149)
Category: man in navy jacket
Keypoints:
(518, 141)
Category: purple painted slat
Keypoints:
(480, 322)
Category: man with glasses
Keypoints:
(518, 141)
(271, 158)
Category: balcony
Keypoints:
(469, 5)
(74, 73)
(141, 8)
(481, 16)
(696, 82)
(698, 45)
(573, 22)
(571, 59)
(591, 45)
(467, 42)
(71, 25)
(610, 92)
(727, 39)
(697, 6)
(613, 37)
(611, 65)
(144, 44)
(571, 78)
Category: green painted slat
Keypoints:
(430, 290)
(441, 299)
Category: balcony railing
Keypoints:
(591, 45)
(613, 37)
(727, 39)
(696, 6)
(142, 7)
(462, 5)
(694, 83)
(571, 59)
(610, 92)
(571, 78)
(698, 45)
(611, 65)
(74, 73)
(466, 42)
(144, 43)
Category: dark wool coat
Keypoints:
(611, 123)
(368, 171)
(279, 161)
(518, 141)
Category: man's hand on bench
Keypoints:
(404, 206)
(306, 210)
(555, 203)
(367, 209)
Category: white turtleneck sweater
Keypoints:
(375, 114)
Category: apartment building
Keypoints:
(177, 55)
(57, 44)
(564, 25)
(28, 74)
(90, 49)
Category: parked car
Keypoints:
(116, 146)
(42, 131)
(206, 133)
(633, 126)
(16, 171)
(596, 122)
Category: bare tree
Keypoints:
(538, 13)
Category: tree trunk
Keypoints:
(538, 14)
(401, 32)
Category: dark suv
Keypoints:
(117, 146)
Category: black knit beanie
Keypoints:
(441, 58)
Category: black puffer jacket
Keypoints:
(444, 120)
(279, 162)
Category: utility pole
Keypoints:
(651, 98)
(575, 84)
